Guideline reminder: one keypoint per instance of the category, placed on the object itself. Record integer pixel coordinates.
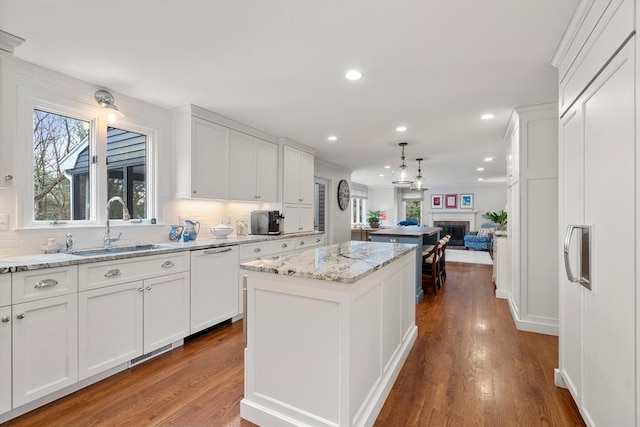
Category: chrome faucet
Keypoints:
(108, 240)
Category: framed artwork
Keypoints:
(466, 201)
(451, 201)
(436, 201)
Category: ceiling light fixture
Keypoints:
(419, 183)
(401, 128)
(487, 116)
(480, 179)
(333, 138)
(488, 159)
(387, 167)
(402, 178)
(353, 75)
(480, 169)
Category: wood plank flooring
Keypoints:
(468, 367)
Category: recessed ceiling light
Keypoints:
(353, 75)
(333, 138)
(387, 167)
(488, 159)
(480, 179)
(381, 175)
(401, 128)
(487, 116)
(480, 169)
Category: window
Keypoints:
(412, 210)
(358, 210)
(58, 194)
(66, 171)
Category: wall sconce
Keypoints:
(105, 100)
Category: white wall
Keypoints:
(338, 221)
(487, 197)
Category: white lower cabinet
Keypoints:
(5, 359)
(121, 322)
(110, 327)
(166, 310)
(45, 347)
(214, 290)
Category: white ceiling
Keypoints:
(434, 65)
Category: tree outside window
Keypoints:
(412, 210)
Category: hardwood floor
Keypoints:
(468, 367)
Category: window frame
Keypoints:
(34, 99)
(358, 205)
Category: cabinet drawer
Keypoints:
(92, 276)
(45, 283)
(5, 289)
(308, 242)
(256, 250)
(283, 246)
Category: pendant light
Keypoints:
(419, 183)
(401, 176)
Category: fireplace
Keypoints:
(457, 230)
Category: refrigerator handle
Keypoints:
(585, 255)
(567, 262)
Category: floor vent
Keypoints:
(149, 355)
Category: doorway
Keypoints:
(319, 223)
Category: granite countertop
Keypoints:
(13, 264)
(345, 262)
(409, 231)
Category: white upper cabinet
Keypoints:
(7, 106)
(201, 158)
(297, 176)
(253, 169)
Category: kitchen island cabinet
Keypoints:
(417, 235)
(5, 343)
(328, 331)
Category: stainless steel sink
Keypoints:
(117, 250)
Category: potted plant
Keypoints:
(373, 218)
(499, 218)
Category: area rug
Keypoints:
(471, 257)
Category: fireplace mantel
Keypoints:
(453, 215)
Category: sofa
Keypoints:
(481, 239)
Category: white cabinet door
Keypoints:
(243, 167)
(599, 333)
(45, 347)
(298, 218)
(110, 327)
(266, 171)
(166, 310)
(306, 178)
(5, 359)
(214, 290)
(209, 160)
(297, 186)
(291, 175)
(306, 221)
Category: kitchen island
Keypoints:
(416, 234)
(328, 331)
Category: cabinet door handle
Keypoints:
(20, 316)
(256, 250)
(318, 240)
(167, 264)
(112, 272)
(140, 289)
(6, 319)
(148, 288)
(221, 251)
(46, 283)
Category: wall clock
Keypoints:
(343, 194)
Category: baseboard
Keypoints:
(502, 294)
(530, 325)
(559, 379)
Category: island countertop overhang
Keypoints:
(346, 262)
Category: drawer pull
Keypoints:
(20, 316)
(221, 251)
(284, 245)
(167, 264)
(301, 242)
(318, 240)
(256, 250)
(46, 283)
(6, 319)
(112, 272)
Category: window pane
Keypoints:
(413, 210)
(61, 167)
(127, 171)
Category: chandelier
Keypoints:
(401, 176)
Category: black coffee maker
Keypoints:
(267, 222)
